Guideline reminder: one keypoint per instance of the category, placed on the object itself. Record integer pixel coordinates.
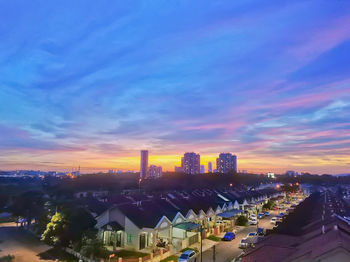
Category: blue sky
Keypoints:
(91, 83)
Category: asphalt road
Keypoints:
(21, 244)
(225, 251)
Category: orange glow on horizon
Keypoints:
(93, 162)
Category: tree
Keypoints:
(92, 246)
(8, 258)
(68, 226)
(269, 205)
(42, 222)
(78, 222)
(28, 205)
(55, 229)
(241, 220)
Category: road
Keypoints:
(22, 245)
(228, 250)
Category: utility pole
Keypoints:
(257, 220)
(201, 244)
(140, 185)
(214, 258)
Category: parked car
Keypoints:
(243, 244)
(187, 256)
(252, 221)
(273, 220)
(260, 231)
(251, 234)
(267, 214)
(281, 214)
(260, 215)
(228, 236)
(252, 216)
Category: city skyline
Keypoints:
(248, 78)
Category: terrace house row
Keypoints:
(173, 220)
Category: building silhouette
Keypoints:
(191, 163)
(144, 164)
(226, 163)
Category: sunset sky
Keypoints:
(91, 83)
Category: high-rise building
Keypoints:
(210, 167)
(191, 163)
(144, 164)
(234, 157)
(226, 163)
(202, 169)
(178, 169)
(154, 171)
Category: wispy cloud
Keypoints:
(267, 81)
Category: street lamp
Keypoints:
(140, 179)
(201, 251)
(257, 220)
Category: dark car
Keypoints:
(260, 231)
(228, 236)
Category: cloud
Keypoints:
(262, 80)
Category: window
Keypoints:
(129, 238)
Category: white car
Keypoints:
(273, 220)
(252, 216)
(252, 221)
(187, 256)
(243, 244)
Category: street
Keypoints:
(24, 246)
(225, 251)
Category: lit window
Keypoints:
(129, 238)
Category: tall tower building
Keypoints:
(154, 171)
(191, 163)
(144, 164)
(210, 167)
(234, 159)
(226, 163)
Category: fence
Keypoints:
(78, 255)
(153, 257)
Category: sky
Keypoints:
(91, 83)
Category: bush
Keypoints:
(214, 238)
(241, 221)
(269, 205)
(171, 258)
(93, 247)
(8, 258)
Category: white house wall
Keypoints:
(102, 219)
(134, 231)
(179, 233)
